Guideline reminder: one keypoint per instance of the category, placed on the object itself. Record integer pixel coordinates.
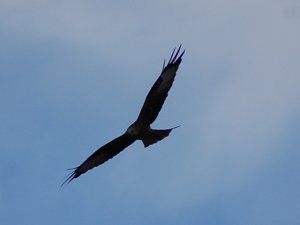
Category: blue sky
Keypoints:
(74, 74)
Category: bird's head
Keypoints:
(132, 130)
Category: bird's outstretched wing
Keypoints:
(159, 91)
(103, 154)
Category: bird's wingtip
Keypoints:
(70, 176)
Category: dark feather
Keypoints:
(100, 156)
(159, 91)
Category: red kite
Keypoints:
(140, 129)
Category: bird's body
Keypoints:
(146, 134)
(140, 129)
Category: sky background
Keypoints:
(74, 74)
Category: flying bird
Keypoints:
(140, 129)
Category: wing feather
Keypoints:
(159, 91)
(100, 156)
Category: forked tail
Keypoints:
(154, 136)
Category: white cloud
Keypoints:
(238, 84)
